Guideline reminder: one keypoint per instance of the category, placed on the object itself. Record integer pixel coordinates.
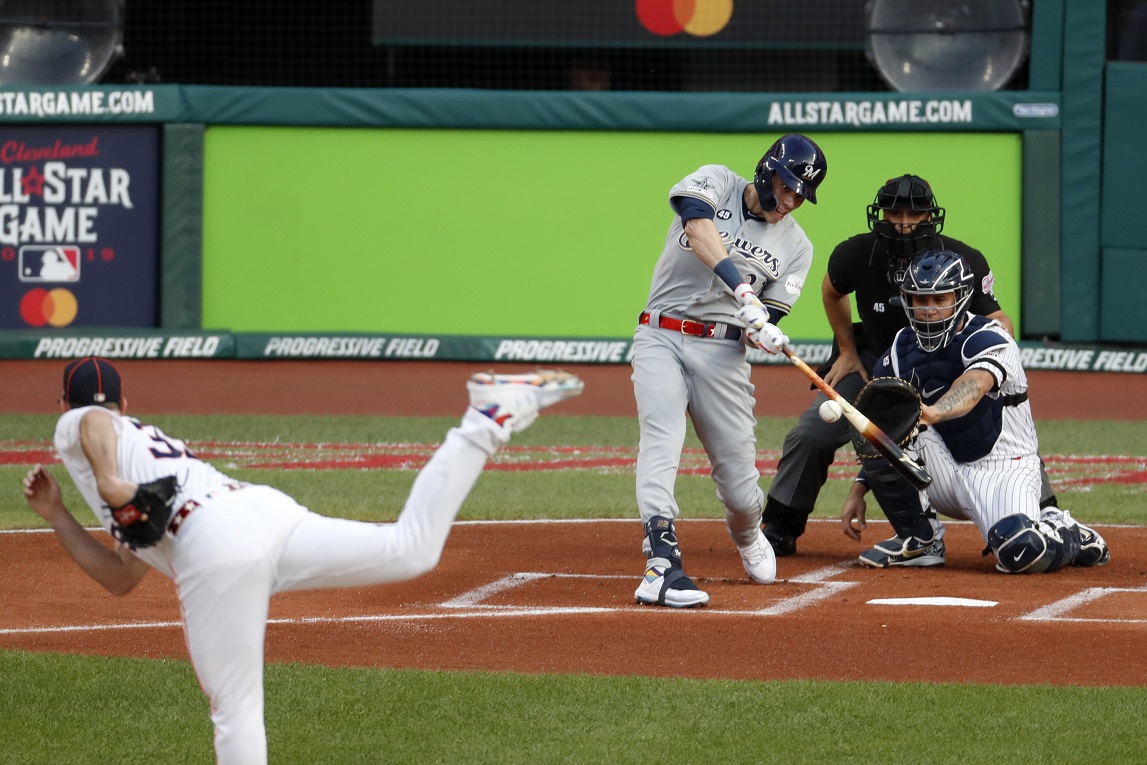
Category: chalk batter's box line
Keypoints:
(1055, 612)
(466, 606)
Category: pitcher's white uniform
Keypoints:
(708, 376)
(233, 545)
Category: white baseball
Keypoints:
(830, 411)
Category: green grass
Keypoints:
(64, 709)
(67, 709)
(378, 494)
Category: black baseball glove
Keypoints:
(894, 406)
(142, 522)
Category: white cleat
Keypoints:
(759, 560)
(513, 401)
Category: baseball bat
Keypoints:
(901, 462)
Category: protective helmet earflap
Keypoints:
(800, 164)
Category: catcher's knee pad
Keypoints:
(661, 540)
(1024, 546)
(899, 499)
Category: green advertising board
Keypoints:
(528, 233)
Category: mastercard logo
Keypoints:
(57, 307)
(700, 18)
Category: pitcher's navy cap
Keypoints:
(91, 380)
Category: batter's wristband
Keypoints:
(729, 273)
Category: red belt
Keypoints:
(693, 328)
(181, 515)
(191, 506)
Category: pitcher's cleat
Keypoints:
(513, 400)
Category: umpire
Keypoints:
(903, 221)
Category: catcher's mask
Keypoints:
(800, 164)
(909, 193)
(936, 273)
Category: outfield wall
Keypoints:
(543, 233)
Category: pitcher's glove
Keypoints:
(142, 522)
(894, 406)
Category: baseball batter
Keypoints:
(230, 545)
(979, 443)
(733, 264)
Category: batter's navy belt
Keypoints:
(713, 329)
(190, 506)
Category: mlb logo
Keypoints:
(49, 263)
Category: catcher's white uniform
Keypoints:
(984, 465)
(233, 545)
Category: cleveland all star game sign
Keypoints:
(78, 226)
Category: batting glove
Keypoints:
(746, 296)
(768, 337)
(753, 316)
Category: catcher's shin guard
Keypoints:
(899, 500)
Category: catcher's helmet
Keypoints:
(936, 273)
(800, 164)
(905, 192)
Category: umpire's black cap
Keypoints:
(91, 381)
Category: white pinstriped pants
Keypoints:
(983, 491)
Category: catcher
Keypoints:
(976, 437)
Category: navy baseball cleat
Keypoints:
(513, 401)
(912, 551)
(667, 585)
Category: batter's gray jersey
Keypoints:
(774, 258)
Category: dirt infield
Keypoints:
(502, 599)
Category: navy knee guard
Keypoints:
(899, 500)
(1023, 546)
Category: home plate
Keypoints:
(968, 602)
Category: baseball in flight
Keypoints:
(830, 411)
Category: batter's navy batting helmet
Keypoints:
(906, 192)
(936, 273)
(800, 164)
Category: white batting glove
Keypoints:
(754, 316)
(745, 295)
(768, 338)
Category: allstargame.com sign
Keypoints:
(869, 113)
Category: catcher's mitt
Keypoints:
(142, 522)
(894, 406)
